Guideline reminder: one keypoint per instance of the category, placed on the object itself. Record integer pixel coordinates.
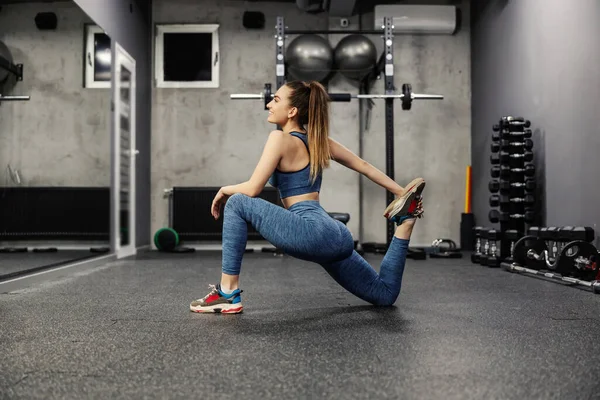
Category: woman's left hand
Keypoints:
(218, 203)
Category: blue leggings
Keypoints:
(306, 231)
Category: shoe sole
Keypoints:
(401, 205)
(219, 309)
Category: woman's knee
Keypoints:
(386, 299)
(235, 201)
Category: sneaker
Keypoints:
(408, 203)
(218, 302)
(417, 213)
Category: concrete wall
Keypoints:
(61, 136)
(130, 26)
(538, 59)
(200, 137)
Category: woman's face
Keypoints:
(279, 108)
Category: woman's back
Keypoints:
(295, 153)
(292, 175)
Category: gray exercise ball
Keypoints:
(4, 52)
(309, 57)
(355, 56)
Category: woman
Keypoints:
(293, 160)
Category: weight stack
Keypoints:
(513, 183)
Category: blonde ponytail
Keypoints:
(318, 129)
(312, 102)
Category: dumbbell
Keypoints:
(515, 121)
(512, 235)
(506, 134)
(496, 216)
(478, 244)
(491, 258)
(505, 185)
(584, 233)
(490, 247)
(527, 144)
(511, 121)
(506, 156)
(485, 246)
(504, 171)
(496, 200)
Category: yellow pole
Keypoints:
(468, 191)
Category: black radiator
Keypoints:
(54, 213)
(191, 217)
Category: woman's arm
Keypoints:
(264, 169)
(350, 160)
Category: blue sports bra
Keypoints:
(296, 182)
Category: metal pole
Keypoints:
(14, 98)
(388, 43)
(346, 96)
(280, 52)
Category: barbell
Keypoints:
(407, 96)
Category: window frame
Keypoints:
(160, 30)
(89, 63)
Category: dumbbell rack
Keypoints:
(513, 183)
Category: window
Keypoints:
(187, 56)
(97, 58)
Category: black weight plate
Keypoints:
(522, 246)
(407, 99)
(579, 259)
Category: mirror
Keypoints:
(124, 152)
(55, 147)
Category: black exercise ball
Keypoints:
(166, 239)
(4, 52)
(355, 56)
(309, 57)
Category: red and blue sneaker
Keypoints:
(408, 205)
(218, 302)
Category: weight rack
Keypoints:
(563, 254)
(17, 71)
(513, 185)
(387, 59)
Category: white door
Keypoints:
(124, 153)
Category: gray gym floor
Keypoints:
(13, 264)
(458, 331)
